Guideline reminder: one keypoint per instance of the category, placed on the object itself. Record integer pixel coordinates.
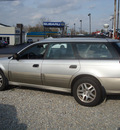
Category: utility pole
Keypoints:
(118, 18)
(112, 19)
(81, 26)
(89, 23)
(74, 29)
(114, 30)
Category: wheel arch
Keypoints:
(1, 70)
(82, 76)
(4, 81)
(4, 72)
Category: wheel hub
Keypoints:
(86, 92)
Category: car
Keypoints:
(29, 41)
(89, 68)
(3, 43)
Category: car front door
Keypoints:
(27, 68)
(59, 65)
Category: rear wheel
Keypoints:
(3, 81)
(87, 91)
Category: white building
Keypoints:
(11, 34)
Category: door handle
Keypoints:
(73, 66)
(36, 65)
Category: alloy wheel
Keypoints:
(1, 81)
(86, 92)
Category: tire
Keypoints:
(3, 81)
(87, 91)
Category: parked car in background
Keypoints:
(29, 41)
(3, 43)
(89, 68)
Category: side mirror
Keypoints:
(16, 56)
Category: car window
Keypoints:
(34, 52)
(60, 51)
(118, 44)
(96, 51)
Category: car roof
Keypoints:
(83, 39)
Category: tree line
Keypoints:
(40, 28)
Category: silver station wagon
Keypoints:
(89, 68)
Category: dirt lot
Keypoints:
(26, 108)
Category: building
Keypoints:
(11, 34)
(38, 36)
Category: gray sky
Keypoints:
(29, 12)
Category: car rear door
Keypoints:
(59, 65)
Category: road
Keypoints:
(12, 49)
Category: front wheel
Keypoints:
(87, 91)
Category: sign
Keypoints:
(40, 33)
(54, 24)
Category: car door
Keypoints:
(59, 65)
(27, 67)
(100, 60)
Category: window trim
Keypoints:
(73, 47)
(80, 58)
(24, 49)
(45, 57)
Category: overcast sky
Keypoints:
(29, 12)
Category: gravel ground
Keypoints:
(35, 109)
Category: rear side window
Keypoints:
(117, 46)
(96, 51)
(60, 51)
